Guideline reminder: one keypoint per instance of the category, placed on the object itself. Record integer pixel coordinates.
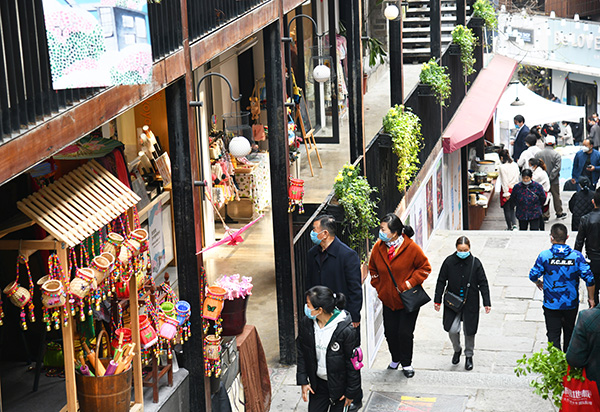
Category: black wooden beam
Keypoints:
(351, 15)
(185, 237)
(461, 12)
(335, 112)
(282, 220)
(396, 63)
(464, 177)
(435, 21)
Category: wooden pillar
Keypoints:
(351, 15)
(396, 63)
(282, 220)
(177, 102)
(461, 12)
(435, 22)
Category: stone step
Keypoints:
(424, 40)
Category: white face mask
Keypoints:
(528, 183)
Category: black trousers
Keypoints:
(399, 326)
(319, 402)
(533, 224)
(557, 322)
(595, 266)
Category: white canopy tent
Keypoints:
(536, 109)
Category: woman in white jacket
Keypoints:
(530, 152)
(509, 176)
(540, 175)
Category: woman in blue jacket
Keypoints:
(326, 343)
(529, 197)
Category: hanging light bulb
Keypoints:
(239, 146)
(391, 12)
(321, 73)
(552, 14)
(576, 17)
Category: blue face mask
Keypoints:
(308, 313)
(314, 236)
(463, 255)
(383, 237)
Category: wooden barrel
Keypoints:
(106, 393)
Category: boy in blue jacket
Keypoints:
(560, 268)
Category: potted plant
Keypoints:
(550, 366)
(484, 9)
(405, 129)
(434, 75)
(466, 40)
(354, 195)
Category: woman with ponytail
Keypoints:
(395, 254)
(326, 343)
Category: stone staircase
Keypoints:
(415, 30)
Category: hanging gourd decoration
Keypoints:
(100, 267)
(54, 295)
(83, 283)
(211, 310)
(239, 146)
(21, 297)
(212, 355)
(295, 195)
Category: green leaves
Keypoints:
(354, 194)
(376, 51)
(550, 364)
(485, 10)
(405, 128)
(436, 76)
(464, 37)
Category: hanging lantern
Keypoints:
(295, 195)
(212, 355)
(321, 73)
(239, 146)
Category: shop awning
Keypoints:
(475, 112)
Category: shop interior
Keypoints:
(96, 216)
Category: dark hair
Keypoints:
(463, 240)
(396, 226)
(526, 172)
(519, 119)
(327, 222)
(588, 141)
(536, 131)
(559, 232)
(597, 199)
(585, 183)
(534, 161)
(530, 139)
(504, 156)
(323, 297)
(565, 122)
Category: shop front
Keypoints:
(87, 241)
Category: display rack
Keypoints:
(71, 209)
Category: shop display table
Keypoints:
(255, 185)
(254, 370)
(477, 213)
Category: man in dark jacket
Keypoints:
(584, 350)
(594, 135)
(333, 264)
(589, 234)
(553, 163)
(581, 202)
(519, 142)
(586, 163)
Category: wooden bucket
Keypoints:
(106, 393)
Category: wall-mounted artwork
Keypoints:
(98, 43)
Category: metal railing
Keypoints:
(165, 27)
(205, 16)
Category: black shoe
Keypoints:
(456, 357)
(561, 216)
(354, 407)
(546, 219)
(469, 363)
(408, 373)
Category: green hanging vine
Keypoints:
(485, 10)
(466, 40)
(436, 76)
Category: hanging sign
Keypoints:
(95, 43)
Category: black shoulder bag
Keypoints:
(452, 300)
(413, 298)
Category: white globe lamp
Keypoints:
(391, 12)
(239, 146)
(321, 73)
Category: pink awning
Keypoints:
(473, 116)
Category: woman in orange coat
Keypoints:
(395, 254)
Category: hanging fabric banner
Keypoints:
(95, 43)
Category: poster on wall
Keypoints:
(157, 243)
(429, 206)
(419, 227)
(95, 43)
(373, 310)
(439, 186)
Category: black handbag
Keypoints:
(413, 298)
(452, 300)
